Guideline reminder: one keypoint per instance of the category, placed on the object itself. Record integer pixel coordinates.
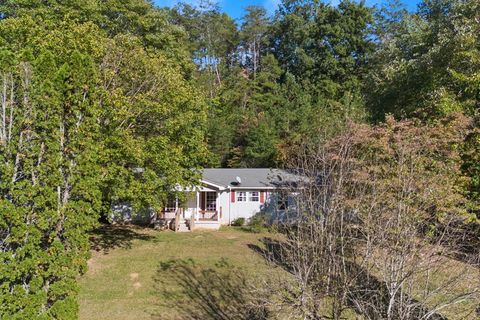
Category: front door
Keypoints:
(208, 201)
(208, 204)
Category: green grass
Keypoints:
(122, 279)
(131, 274)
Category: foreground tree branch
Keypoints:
(377, 224)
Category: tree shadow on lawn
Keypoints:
(193, 292)
(368, 295)
(464, 239)
(109, 237)
(272, 252)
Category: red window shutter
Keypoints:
(232, 196)
(262, 196)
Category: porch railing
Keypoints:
(168, 214)
(207, 215)
(201, 215)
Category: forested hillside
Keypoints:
(274, 81)
(106, 101)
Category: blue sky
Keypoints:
(235, 7)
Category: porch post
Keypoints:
(177, 215)
(197, 196)
(219, 209)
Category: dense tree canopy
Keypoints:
(301, 73)
(95, 110)
(109, 101)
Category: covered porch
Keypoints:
(199, 210)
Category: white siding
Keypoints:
(230, 211)
(243, 209)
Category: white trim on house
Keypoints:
(254, 188)
(219, 187)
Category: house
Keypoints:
(224, 195)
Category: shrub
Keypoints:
(258, 220)
(257, 223)
(238, 222)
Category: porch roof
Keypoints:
(251, 178)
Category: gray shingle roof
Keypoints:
(250, 177)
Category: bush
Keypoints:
(259, 220)
(257, 223)
(238, 222)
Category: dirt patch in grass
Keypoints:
(133, 276)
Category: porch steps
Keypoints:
(183, 227)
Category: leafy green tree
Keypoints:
(324, 51)
(114, 17)
(426, 66)
(50, 194)
(213, 38)
(324, 46)
(421, 67)
(152, 119)
(465, 71)
(226, 115)
(261, 144)
(91, 114)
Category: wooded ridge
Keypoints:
(381, 102)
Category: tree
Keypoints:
(426, 66)
(418, 63)
(411, 177)
(471, 166)
(324, 46)
(324, 51)
(90, 116)
(253, 35)
(49, 161)
(213, 40)
(375, 226)
(151, 119)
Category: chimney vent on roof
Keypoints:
(238, 179)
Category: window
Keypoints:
(254, 196)
(242, 196)
(211, 198)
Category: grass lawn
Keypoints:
(138, 273)
(123, 276)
